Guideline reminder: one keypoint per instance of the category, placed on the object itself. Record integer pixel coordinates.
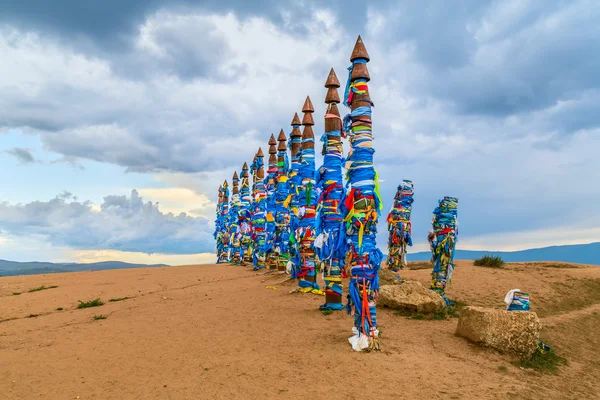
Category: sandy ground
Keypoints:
(217, 332)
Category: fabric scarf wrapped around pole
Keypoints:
(330, 232)
(222, 226)
(399, 226)
(225, 224)
(293, 200)
(282, 212)
(307, 211)
(245, 217)
(361, 206)
(271, 204)
(217, 233)
(442, 240)
(235, 235)
(259, 216)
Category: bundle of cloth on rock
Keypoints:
(361, 206)
(399, 226)
(442, 240)
(329, 244)
(307, 212)
(516, 300)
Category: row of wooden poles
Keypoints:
(302, 220)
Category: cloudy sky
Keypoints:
(119, 119)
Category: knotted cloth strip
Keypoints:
(442, 240)
(399, 226)
(361, 209)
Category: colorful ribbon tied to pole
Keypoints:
(330, 241)
(235, 235)
(293, 200)
(307, 211)
(271, 205)
(361, 206)
(245, 218)
(399, 226)
(442, 240)
(259, 215)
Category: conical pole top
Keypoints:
(359, 51)
(296, 120)
(272, 140)
(308, 107)
(235, 175)
(281, 137)
(332, 80)
(245, 166)
(260, 153)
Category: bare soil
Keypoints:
(218, 332)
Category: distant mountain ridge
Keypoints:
(13, 268)
(577, 253)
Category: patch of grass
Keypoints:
(119, 299)
(37, 289)
(16, 293)
(91, 303)
(59, 309)
(489, 262)
(97, 317)
(548, 363)
(326, 312)
(454, 310)
(503, 368)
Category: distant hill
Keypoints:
(13, 268)
(577, 253)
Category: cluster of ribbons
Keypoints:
(221, 234)
(330, 241)
(305, 234)
(270, 215)
(399, 226)
(245, 220)
(361, 209)
(442, 240)
(293, 200)
(259, 218)
(236, 252)
(282, 213)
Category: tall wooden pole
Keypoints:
(331, 247)
(362, 205)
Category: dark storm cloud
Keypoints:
(500, 58)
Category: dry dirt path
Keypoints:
(217, 332)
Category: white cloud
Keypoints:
(123, 223)
(92, 256)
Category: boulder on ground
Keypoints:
(411, 296)
(508, 331)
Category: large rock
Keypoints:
(507, 331)
(411, 296)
